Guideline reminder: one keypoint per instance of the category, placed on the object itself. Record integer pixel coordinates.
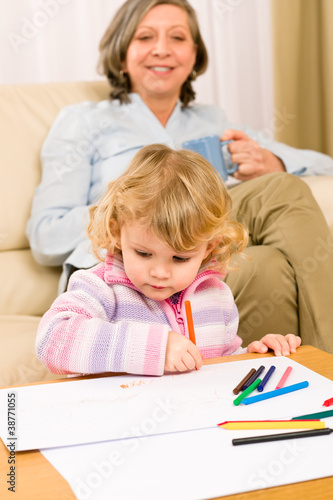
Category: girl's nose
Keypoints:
(160, 272)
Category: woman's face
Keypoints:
(161, 54)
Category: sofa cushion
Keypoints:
(27, 287)
(18, 361)
(27, 112)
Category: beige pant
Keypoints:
(287, 284)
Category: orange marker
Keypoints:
(189, 318)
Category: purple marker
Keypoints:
(253, 378)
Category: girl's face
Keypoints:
(155, 268)
(161, 54)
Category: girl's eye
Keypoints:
(181, 259)
(142, 254)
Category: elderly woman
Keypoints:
(151, 53)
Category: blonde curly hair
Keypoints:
(178, 195)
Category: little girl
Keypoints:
(163, 236)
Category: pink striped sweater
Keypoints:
(103, 323)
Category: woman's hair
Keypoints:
(115, 42)
(178, 195)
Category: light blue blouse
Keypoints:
(92, 143)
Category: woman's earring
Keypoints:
(193, 74)
(121, 73)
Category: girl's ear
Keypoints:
(211, 245)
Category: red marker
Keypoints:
(328, 402)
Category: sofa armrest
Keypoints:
(322, 189)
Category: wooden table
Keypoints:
(36, 479)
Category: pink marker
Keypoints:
(284, 378)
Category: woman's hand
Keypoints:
(252, 160)
(181, 354)
(280, 344)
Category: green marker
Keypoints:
(313, 416)
(247, 391)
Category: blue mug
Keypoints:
(215, 151)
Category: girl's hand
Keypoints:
(280, 344)
(181, 354)
(252, 160)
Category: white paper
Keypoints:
(192, 465)
(104, 409)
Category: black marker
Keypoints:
(280, 437)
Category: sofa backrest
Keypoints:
(26, 114)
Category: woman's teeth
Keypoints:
(160, 68)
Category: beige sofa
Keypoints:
(28, 289)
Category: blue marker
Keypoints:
(276, 392)
(261, 386)
(253, 378)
